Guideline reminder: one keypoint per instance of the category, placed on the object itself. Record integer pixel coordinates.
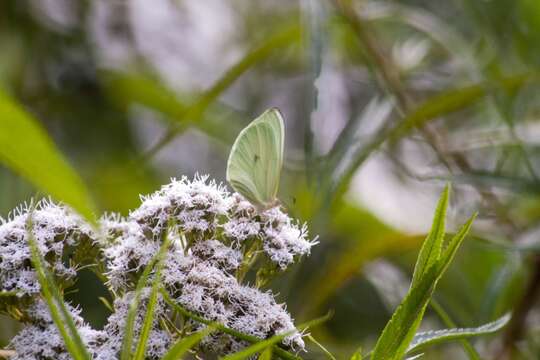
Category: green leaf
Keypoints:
(182, 346)
(443, 315)
(431, 248)
(249, 338)
(428, 338)
(129, 330)
(152, 301)
(320, 346)
(57, 308)
(453, 245)
(357, 355)
(262, 345)
(26, 148)
(266, 354)
(258, 347)
(399, 331)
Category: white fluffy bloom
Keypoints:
(129, 253)
(158, 340)
(54, 227)
(209, 229)
(214, 294)
(195, 206)
(218, 254)
(40, 339)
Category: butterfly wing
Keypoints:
(256, 159)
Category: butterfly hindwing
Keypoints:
(256, 159)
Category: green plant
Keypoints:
(174, 268)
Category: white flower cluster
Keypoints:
(201, 210)
(194, 205)
(158, 341)
(204, 286)
(40, 339)
(54, 228)
(209, 231)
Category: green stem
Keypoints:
(251, 339)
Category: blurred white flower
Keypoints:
(410, 53)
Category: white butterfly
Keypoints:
(256, 159)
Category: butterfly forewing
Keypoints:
(256, 158)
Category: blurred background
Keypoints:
(384, 102)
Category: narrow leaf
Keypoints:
(357, 355)
(257, 347)
(55, 302)
(320, 346)
(26, 148)
(129, 330)
(249, 338)
(427, 338)
(431, 248)
(453, 245)
(266, 354)
(274, 340)
(447, 320)
(152, 301)
(400, 330)
(178, 350)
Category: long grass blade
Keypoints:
(129, 330)
(262, 345)
(182, 346)
(152, 301)
(55, 302)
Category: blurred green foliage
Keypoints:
(132, 93)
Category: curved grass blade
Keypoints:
(26, 148)
(152, 301)
(129, 330)
(274, 340)
(266, 354)
(249, 338)
(320, 346)
(424, 339)
(182, 346)
(55, 302)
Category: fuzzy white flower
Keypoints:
(195, 206)
(158, 341)
(54, 227)
(283, 239)
(40, 339)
